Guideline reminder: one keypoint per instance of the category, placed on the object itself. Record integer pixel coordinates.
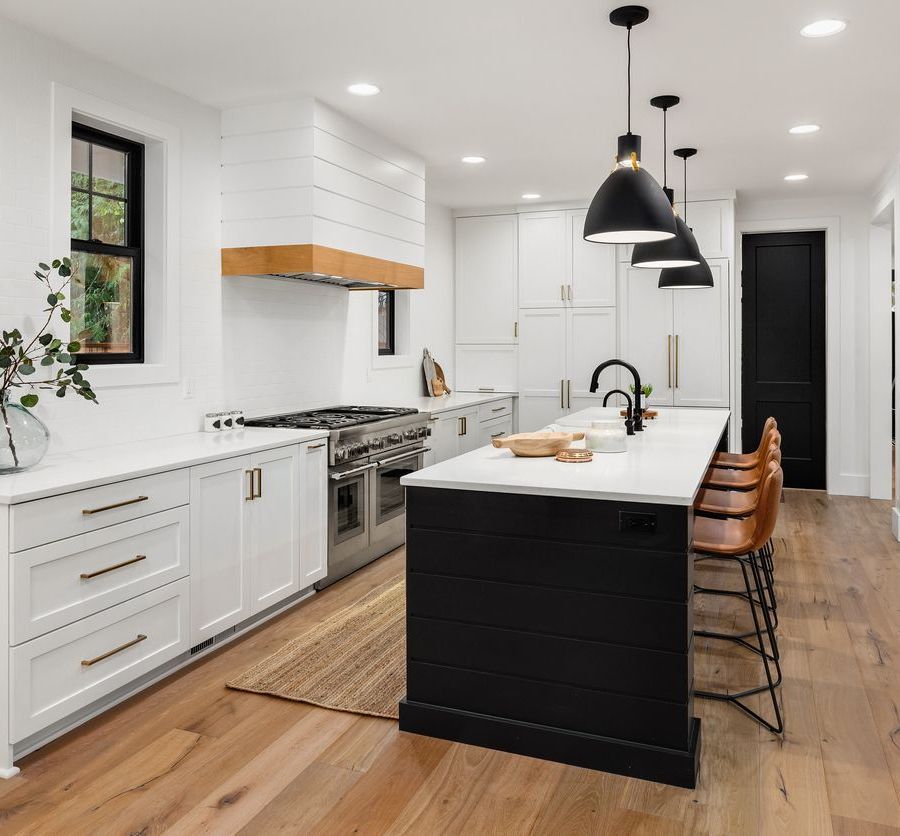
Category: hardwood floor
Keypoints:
(191, 756)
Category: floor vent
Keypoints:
(202, 646)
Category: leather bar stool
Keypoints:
(743, 503)
(740, 480)
(747, 461)
(740, 541)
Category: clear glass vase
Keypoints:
(23, 437)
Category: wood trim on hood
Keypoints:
(312, 258)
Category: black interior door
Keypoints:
(783, 370)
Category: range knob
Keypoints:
(395, 438)
(340, 453)
(410, 434)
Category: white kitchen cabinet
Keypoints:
(313, 512)
(543, 278)
(274, 526)
(495, 428)
(558, 351)
(486, 368)
(457, 431)
(467, 429)
(220, 545)
(245, 537)
(677, 339)
(712, 222)
(486, 279)
(591, 267)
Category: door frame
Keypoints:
(835, 481)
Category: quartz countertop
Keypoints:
(664, 464)
(63, 472)
(455, 400)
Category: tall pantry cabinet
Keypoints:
(538, 308)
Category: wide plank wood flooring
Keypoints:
(190, 756)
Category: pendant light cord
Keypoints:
(628, 41)
(685, 190)
(665, 176)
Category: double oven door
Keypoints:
(367, 509)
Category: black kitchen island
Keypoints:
(549, 605)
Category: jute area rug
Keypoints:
(355, 660)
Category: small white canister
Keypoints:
(606, 436)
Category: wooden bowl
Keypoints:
(537, 444)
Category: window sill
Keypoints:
(131, 374)
(392, 361)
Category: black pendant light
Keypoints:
(686, 278)
(630, 206)
(682, 250)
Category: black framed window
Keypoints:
(107, 230)
(386, 322)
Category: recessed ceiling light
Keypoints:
(804, 129)
(363, 88)
(823, 28)
(473, 159)
(530, 196)
(792, 177)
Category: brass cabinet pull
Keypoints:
(569, 396)
(485, 388)
(258, 473)
(669, 359)
(89, 511)
(465, 421)
(459, 426)
(315, 447)
(562, 399)
(88, 662)
(498, 409)
(495, 435)
(249, 495)
(570, 291)
(86, 576)
(676, 361)
(562, 292)
(516, 328)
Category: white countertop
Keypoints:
(63, 472)
(455, 400)
(663, 464)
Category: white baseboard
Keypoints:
(849, 484)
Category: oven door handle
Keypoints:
(408, 455)
(339, 477)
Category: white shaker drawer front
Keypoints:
(59, 673)
(494, 409)
(59, 583)
(489, 430)
(45, 520)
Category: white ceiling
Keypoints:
(536, 86)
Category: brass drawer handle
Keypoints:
(258, 473)
(499, 409)
(485, 388)
(88, 662)
(249, 495)
(86, 576)
(497, 435)
(315, 447)
(89, 511)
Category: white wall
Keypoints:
(848, 429)
(29, 64)
(263, 345)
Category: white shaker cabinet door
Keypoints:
(467, 428)
(543, 278)
(313, 511)
(275, 526)
(701, 351)
(444, 439)
(220, 545)
(592, 267)
(542, 366)
(646, 334)
(591, 341)
(486, 278)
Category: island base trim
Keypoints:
(635, 760)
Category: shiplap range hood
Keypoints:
(309, 194)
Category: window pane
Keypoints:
(80, 151)
(108, 171)
(80, 226)
(108, 220)
(102, 303)
(385, 322)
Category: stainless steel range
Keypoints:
(370, 448)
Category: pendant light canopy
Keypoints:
(682, 250)
(699, 275)
(630, 207)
